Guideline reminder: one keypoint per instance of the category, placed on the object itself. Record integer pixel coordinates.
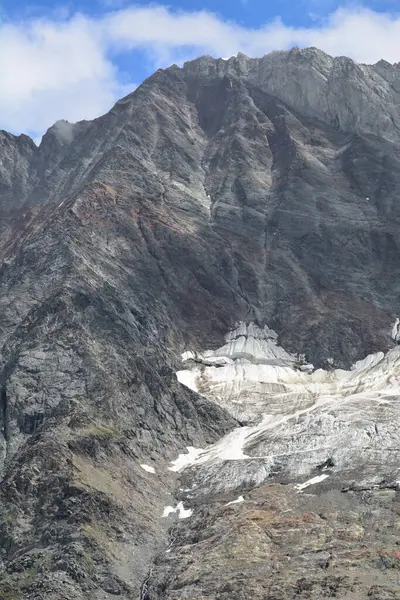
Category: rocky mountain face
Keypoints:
(185, 283)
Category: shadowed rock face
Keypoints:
(256, 190)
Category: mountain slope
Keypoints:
(250, 190)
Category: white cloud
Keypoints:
(53, 69)
(361, 34)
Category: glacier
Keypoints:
(296, 421)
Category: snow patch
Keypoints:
(148, 468)
(168, 510)
(189, 378)
(183, 513)
(237, 501)
(179, 510)
(396, 331)
(313, 481)
(184, 460)
(288, 411)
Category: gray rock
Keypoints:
(110, 586)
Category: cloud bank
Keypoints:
(68, 68)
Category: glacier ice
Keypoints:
(237, 501)
(294, 420)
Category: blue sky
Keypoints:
(251, 13)
(73, 59)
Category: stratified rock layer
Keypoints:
(254, 191)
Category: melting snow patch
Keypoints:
(168, 510)
(269, 389)
(184, 460)
(179, 510)
(148, 469)
(183, 514)
(313, 481)
(189, 378)
(237, 501)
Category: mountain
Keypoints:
(199, 389)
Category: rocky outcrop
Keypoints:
(281, 544)
(16, 154)
(260, 192)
